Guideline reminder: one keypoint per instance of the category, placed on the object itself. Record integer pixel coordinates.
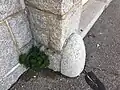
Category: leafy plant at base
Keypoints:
(34, 59)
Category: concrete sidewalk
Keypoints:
(103, 58)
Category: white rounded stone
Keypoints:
(73, 56)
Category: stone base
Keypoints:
(70, 60)
(12, 77)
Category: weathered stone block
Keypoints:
(73, 56)
(20, 28)
(58, 7)
(8, 53)
(68, 24)
(52, 30)
(55, 60)
(6, 82)
(9, 7)
(27, 47)
(15, 35)
(41, 24)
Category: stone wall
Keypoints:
(52, 23)
(15, 38)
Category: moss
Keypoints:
(34, 59)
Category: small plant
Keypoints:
(34, 59)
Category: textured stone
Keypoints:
(73, 56)
(26, 48)
(15, 35)
(68, 25)
(20, 28)
(55, 60)
(52, 30)
(13, 30)
(6, 82)
(59, 7)
(8, 53)
(9, 7)
(41, 24)
(84, 2)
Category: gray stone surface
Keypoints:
(41, 24)
(26, 47)
(15, 35)
(9, 7)
(6, 82)
(73, 56)
(58, 7)
(8, 53)
(55, 60)
(102, 44)
(20, 28)
(52, 30)
(70, 22)
(68, 25)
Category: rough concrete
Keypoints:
(8, 53)
(103, 57)
(50, 27)
(57, 7)
(15, 37)
(9, 7)
(55, 60)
